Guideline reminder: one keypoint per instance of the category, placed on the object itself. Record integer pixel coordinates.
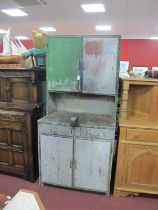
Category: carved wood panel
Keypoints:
(141, 166)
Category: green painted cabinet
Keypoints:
(87, 64)
(64, 54)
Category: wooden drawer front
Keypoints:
(12, 119)
(55, 129)
(142, 135)
(98, 133)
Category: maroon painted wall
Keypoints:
(139, 52)
(27, 43)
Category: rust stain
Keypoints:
(94, 48)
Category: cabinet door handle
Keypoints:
(71, 164)
(75, 165)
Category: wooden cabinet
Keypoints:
(19, 112)
(83, 64)
(137, 162)
(21, 86)
(76, 137)
(86, 163)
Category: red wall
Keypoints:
(139, 52)
(27, 43)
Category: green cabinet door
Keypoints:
(64, 54)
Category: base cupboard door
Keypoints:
(140, 168)
(56, 160)
(92, 164)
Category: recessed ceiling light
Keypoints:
(14, 12)
(47, 29)
(154, 37)
(103, 28)
(2, 31)
(93, 7)
(21, 37)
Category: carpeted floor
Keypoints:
(55, 198)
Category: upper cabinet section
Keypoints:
(64, 54)
(86, 64)
(100, 59)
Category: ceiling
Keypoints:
(129, 18)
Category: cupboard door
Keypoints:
(20, 90)
(140, 169)
(64, 54)
(13, 150)
(92, 164)
(100, 58)
(56, 160)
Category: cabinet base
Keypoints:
(123, 192)
(120, 193)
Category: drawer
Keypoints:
(108, 134)
(12, 119)
(55, 129)
(142, 135)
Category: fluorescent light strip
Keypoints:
(103, 28)
(154, 37)
(47, 29)
(21, 37)
(2, 31)
(14, 12)
(89, 8)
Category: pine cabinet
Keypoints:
(137, 161)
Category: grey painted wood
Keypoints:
(106, 134)
(100, 57)
(81, 103)
(56, 160)
(92, 164)
(91, 142)
(49, 127)
(89, 120)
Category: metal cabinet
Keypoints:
(75, 161)
(86, 64)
